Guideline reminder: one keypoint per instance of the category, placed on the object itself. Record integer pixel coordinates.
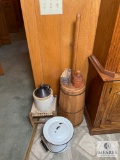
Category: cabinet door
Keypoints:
(111, 115)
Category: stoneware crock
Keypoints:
(43, 98)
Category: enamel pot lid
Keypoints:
(58, 130)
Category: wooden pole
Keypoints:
(77, 28)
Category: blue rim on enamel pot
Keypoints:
(58, 131)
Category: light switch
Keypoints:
(48, 7)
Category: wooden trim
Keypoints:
(99, 66)
(107, 130)
(104, 74)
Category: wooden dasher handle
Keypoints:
(77, 28)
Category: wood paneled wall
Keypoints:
(50, 38)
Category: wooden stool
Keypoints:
(37, 114)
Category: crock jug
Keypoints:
(43, 98)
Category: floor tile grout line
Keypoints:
(47, 155)
(38, 137)
(81, 137)
(34, 155)
(36, 140)
(85, 151)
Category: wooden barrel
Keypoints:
(71, 103)
(75, 118)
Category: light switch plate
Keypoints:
(48, 7)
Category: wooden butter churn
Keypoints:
(72, 88)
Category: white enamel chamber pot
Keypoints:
(43, 104)
(57, 132)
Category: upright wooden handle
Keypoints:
(77, 28)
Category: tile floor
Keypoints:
(82, 146)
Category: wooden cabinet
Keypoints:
(102, 101)
(18, 12)
(13, 14)
(4, 34)
(103, 82)
(10, 17)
